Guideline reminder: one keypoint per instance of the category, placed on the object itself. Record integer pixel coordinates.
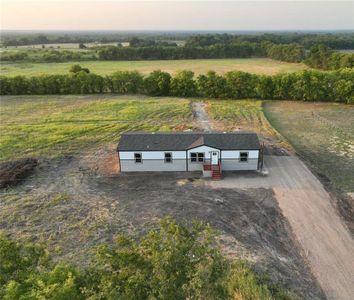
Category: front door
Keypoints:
(214, 157)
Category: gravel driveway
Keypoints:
(324, 238)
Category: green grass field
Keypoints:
(322, 133)
(56, 125)
(199, 66)
(231, 115)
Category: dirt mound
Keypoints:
(12, 172)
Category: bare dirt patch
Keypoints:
(71, 207)
(13, 172)
(201, 116)
(326, 241)
(102, 160)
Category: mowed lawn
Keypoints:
(322, 133)
(57, 125)
(199, 66)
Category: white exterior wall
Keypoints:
(152, 161)
(198, 166)
(230, 160)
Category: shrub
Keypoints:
(78, 68)
(157, 83)
(212, 85)
(183, 84)
(172, 261)
(125, 82)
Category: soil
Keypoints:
(201, 117)
(13, 172)
(70, 206)
(325, 239)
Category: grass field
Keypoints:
(246, 115)
(252, 65)
(322, 133)
(54, 125)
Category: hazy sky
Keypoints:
(176, 15)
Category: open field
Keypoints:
(64, 46)
(75, 199)
(252, 65)
(231, 115)
(322, 134)
(54, 126)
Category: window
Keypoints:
(197, 157)
(243, 156)
(138, 159)
(168, 157)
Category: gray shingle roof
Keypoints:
(177, 141)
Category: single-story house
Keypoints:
(189, 151)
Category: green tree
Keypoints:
(212, 85)
(171, 262)
(125, 82)
(183, 84)
(157, 83)
(265, 87)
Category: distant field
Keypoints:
(57, 125)
(66, 46)
(252, 65)
(322, 133)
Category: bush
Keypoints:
(157, 83)
(212, 85)
(183, 84)
(172, 261)
(78, 68)
(125, 82)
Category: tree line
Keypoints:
(322, 57)
(172, 261)
(308, 85)
(344, 40)
(46, 55)
(285, 52)
(307, 40)
(240, 50)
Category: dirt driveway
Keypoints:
(325, 240)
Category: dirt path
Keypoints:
(325, 240)
(201, 116)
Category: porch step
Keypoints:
(216, 175)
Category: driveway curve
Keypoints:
(325, 240)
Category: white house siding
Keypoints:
(152, 161)
(230, 160)
(197, 166)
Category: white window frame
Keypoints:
(198, 156)
(135, 158)
(240, 159)
(171, 158)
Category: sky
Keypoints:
(175, 15)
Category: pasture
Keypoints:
(198, 66)
(54, 126)
(322, 134)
